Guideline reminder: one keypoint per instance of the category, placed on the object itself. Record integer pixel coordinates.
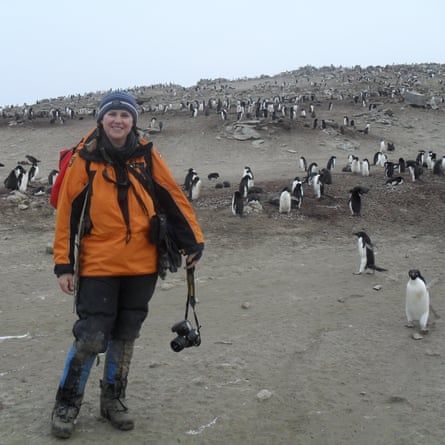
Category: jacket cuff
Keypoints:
(61, 269)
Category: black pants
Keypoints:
(111, 308)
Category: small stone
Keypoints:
(167, 286)
(377, 287)
(432, 353)
(245, 305)
(22, 206)
(416, 336)
(264, 394)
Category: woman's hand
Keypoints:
(66, 283)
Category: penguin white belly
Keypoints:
(417, 301)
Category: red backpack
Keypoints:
(65, 156)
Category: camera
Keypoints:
(187, 336)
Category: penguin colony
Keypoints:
(393, 173)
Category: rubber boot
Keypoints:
(113, 405)
(70, 393)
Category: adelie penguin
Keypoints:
(285, 201)
(303, 163)
(364, 167)
(297, 191)
(237, 204)
(395, 181)
(355, 201)
(331, 163)
(366, 253)
(248, 172)
(189, 178)
(417, 302)
(195, 188)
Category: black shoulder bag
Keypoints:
(169, 256)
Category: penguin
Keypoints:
(366, 253)
(420, 158)
(318, 186)
(364, 166)
(313, 168)
(355, 201)
(248, 172)
(323, 124)
(415, 170)
(297, 191)
(285, 201)
(355, 165)
(33, 173)
(237, 204)
(325, 176)
(382, 146)
(303, 163)
(367, 128)
(195, 188)
(402, 165)
(11, 181)
(389, 169)
(394, 181)
(189, 178)
(331, 163)
(390, 146)
(430, 160)
(243, 186)
(213, 175)
(52, 177)
(352, 123)
(438, 169)
(315, 124)
(417, 302)
(346, 121)
(224, 114)
(22, 179)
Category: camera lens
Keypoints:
(178, 343)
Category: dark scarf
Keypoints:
(117, 158)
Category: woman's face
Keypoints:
(117, 125)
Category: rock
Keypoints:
(388, 112)
(257, 142)
(245, 305)
(264, 394)
(23, 207)
(167, 286)
(377, 287)
(416, 336)
(49, 248)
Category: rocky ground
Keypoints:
(296, 349)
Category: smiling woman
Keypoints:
(107, 208)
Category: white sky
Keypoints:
(59, 47)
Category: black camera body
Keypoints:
(187, 336)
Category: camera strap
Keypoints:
(191, 298)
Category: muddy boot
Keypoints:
(64, 414)
(70, 393)
(113, 405)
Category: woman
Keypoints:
(105, 187)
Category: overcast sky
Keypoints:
(55, 47)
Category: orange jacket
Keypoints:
(105, 251)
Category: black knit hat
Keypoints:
(118, 100)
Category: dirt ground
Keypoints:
(340, 365)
